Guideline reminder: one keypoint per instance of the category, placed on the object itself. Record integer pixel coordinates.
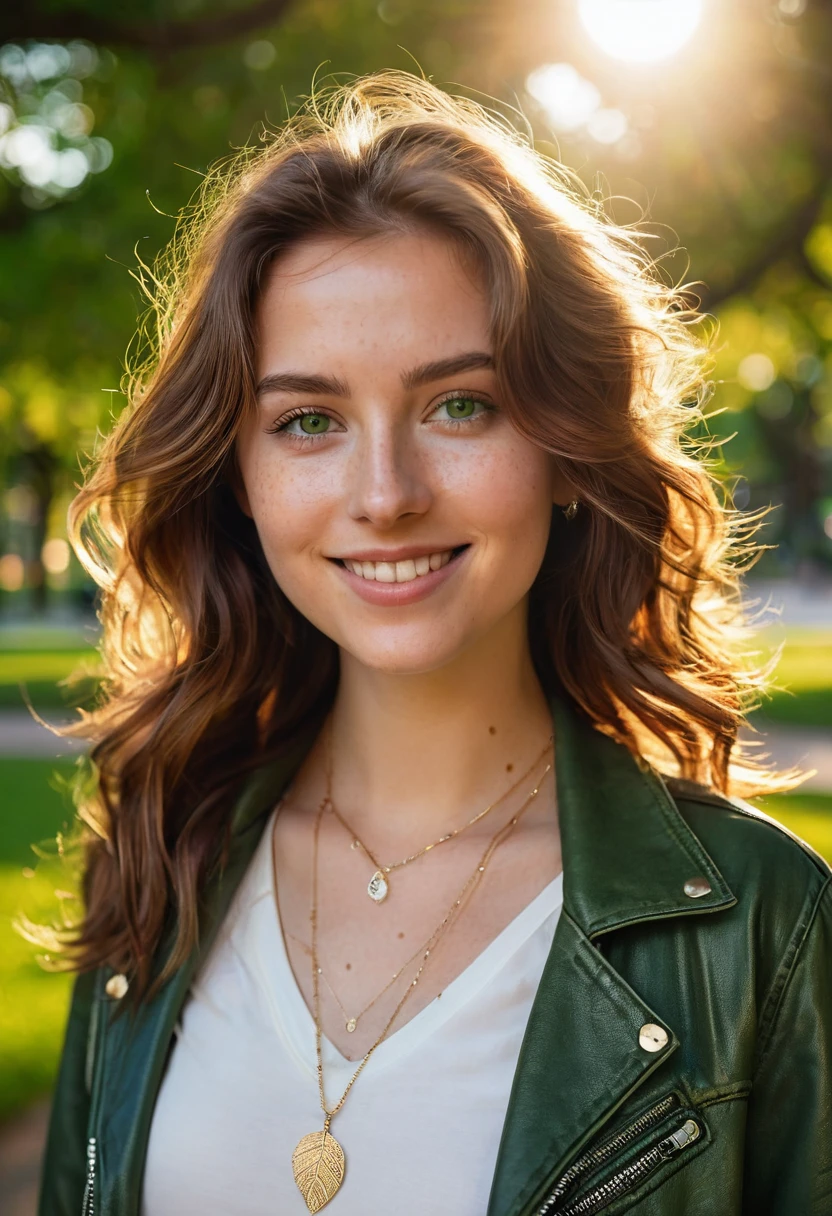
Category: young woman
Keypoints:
(415, 881)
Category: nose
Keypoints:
(387, 477)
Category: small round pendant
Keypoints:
(377, 887)
(351, 1025)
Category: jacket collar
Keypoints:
(627, 853)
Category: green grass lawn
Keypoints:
(805, 669)
(33, 1002)
(36, 674)
(809, 816)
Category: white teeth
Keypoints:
(405, 571)
(399, 572)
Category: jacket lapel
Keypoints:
(627, 853)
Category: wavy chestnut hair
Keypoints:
(210, 670)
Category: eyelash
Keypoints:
(279, 427)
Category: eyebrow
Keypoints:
(425, 373)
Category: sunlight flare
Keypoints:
(640, 31)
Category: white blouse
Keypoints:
(422, 1124)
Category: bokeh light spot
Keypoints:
(259, 55)
(55, 555)
(756, 373)
(568, 99)
(607, 126)
(11, 572)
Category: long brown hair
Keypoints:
(210, 670)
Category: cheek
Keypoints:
(289, 505)
(505, 492)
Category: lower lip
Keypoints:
(395, 595)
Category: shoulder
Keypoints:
(733, 824)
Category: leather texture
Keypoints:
(732, 1114)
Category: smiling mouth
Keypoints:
(401, 572)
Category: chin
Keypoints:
(404, 657)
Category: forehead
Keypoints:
(382, 295)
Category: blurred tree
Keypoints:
(106, 114)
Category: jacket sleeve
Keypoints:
(789, 1134)
(63, 1174)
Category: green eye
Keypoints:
(314, 424)
(460, 407)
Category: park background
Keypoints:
(708, 122)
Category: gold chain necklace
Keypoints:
(318, 1162)
(378, 888)
(351, 1020)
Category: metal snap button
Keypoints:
(652, 1037)
(116, 986)
(695, 887)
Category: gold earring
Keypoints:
(571, 510)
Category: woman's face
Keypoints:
(398, 508)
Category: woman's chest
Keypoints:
(393, 958)
(423, 1120)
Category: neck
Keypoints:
(419, 754)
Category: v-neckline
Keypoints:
(295, 1022)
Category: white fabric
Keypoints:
(421, 1126)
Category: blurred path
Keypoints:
(21, 1148)
(801, 746)
(802, 603)
(21, 735)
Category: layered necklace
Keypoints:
(378, 887)
(318, 1162)
(351, 1020)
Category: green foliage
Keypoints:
(68, 303)
(171, 87)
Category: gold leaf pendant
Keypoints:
(318, 1164)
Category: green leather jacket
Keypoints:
(678, 1055)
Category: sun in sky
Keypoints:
(640, 31)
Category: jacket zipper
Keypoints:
(94, 1070)
(88, 1205)
(595, 1157)
(631, 1175)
